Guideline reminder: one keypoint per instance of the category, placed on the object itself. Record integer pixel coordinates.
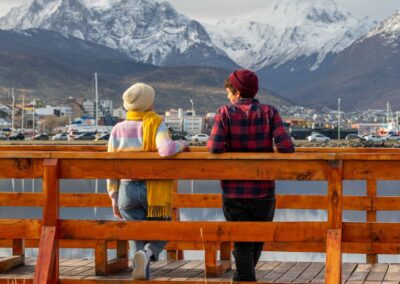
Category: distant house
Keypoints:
(57, 111)
(119, 112)
(4, 123)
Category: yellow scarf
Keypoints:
(159, 192)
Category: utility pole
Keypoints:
(192, 181)
(191, 101)
(33, 118)
(97, 99)
(23, 108)
(13, 106)
(338, 129)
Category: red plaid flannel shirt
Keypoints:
(248, 126)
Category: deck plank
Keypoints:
(294, 272)
(361, 273)
(170, 271)
(278, 271)
(378, 272)
(347, 270)
(162, 273)
(265, 268)
(310, 273)
(393, 273)
(188, 270)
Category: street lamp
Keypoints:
(338, 129)
(13, 105)
(192, 181)
(191, 101)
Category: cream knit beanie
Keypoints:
(138, 97)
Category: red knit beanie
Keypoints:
(245, 81)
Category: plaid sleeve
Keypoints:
(216, 142)
(282, 140)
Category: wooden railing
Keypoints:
(333, 236)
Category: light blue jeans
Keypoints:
(132, 203)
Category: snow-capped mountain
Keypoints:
(388, 29)
(146, 30)
(286, 30)
(365, 74)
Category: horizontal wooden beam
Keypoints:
(194, 169)
(196, 201)
(348, 247)
(21, 168)
(20, 228)
(191, 231)
(27, 199)
(48, 147)
(386, 203)
(366, 169)
(371, 232)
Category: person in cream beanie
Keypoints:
(138, 97)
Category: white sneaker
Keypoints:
(141, 267)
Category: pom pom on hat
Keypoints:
(138, 97)
(245, 81)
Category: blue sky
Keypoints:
(212, 10)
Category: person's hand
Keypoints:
(186, 146)
(114, 202)
(116, 212)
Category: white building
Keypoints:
(193, 124)
(5, 109)
(4, 123)
(49, 110)
(119, 112)
(105, 106)
(89, 107)
(210, 120)
(175, 122)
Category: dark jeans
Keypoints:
(247, 254)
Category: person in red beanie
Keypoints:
(246, 125)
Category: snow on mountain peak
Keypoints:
(103, 4)
(389, 29)
(146, 30)
(285, 30)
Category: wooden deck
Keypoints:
(193, 271)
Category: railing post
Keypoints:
(47, 266)
(210, 258)
(100, 258)
(371, 214)
(333, 271)
(175, 254)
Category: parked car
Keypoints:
(103, 136)
(355, 137)
(85, 136)
(374, 139)
(201, 137)
(391, 137)
(318, 138)
(41, 136)
(2, 136)
(60, 136)
(16, 136)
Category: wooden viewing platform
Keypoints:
(173, 271)
(333, 237)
